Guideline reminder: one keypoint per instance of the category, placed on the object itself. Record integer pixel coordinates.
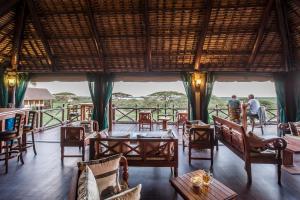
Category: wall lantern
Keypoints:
(11, 77)
(197, 83)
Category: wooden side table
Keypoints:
(164, 122)
(293, 147)
(216, 190)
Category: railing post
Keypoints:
(114, 113)
(165, 109)
(62, 115)
(136, 113)
(157, 116)
(41, 119)
(217, 110)
(173, 113)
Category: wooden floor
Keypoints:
(45, 177)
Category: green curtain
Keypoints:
(3, 91)
(21, 86)
(297, 94)
(279, 80)
(205, 93)
(100, 86)
(187, 80)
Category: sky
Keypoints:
(221, 89)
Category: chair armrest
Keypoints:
(124, 164)
(272, 144)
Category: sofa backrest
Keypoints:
(232, 134)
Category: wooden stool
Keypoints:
(29, 128)
(9, 137)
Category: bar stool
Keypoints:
(29, 128)
(9, 137)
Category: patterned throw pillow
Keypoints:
(130, 194)
(87, 186)
(106, 172)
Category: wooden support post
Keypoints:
(110, 113)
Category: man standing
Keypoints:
(234, 109)
(253, 106)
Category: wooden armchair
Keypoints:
(199, 138)
(145, 118)
(72, 137)
(182, 117)
(295, 128)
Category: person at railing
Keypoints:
(253, 105)
(234, 109)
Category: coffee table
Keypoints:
(215, 190)
(292, 148)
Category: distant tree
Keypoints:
(166, 96)
(65, 94)
(120, 95)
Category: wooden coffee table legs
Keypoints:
(288, 162)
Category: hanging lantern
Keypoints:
(11, 78)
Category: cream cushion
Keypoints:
(106, 172)
(87, 186)
(130, 194)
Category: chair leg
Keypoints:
(62, 153)
(83, 153)
(175, 171)
(253, 124)
(190, 154)
(33, 142)
(24, 141)
(217, 144)
(248, 170)
(20, 147)
(212, 157)
(279, 173)
(183, 145)
(6, 157)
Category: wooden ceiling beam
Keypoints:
(6, 6)
(260, 33)
(284, 34)
(95, 35)
(18, 35)
(202, 35)
(147, 59)
(40, 32)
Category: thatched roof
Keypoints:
(150, 35)
(38, 94)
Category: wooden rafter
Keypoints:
(39, 29)
(284, 33)
(17, 41)
(260, 33)
(147, 59)
(202, 35)
(95, 34)
(6, 5)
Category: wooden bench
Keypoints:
(144, 152)
(238, 141)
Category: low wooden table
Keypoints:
(215, 190)
(293, 147)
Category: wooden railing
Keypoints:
(272, 115)
(130, 114)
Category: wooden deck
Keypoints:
(45, 177)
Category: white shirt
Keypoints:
(253, 106)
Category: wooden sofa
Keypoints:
(262, 151)
(143, 152)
